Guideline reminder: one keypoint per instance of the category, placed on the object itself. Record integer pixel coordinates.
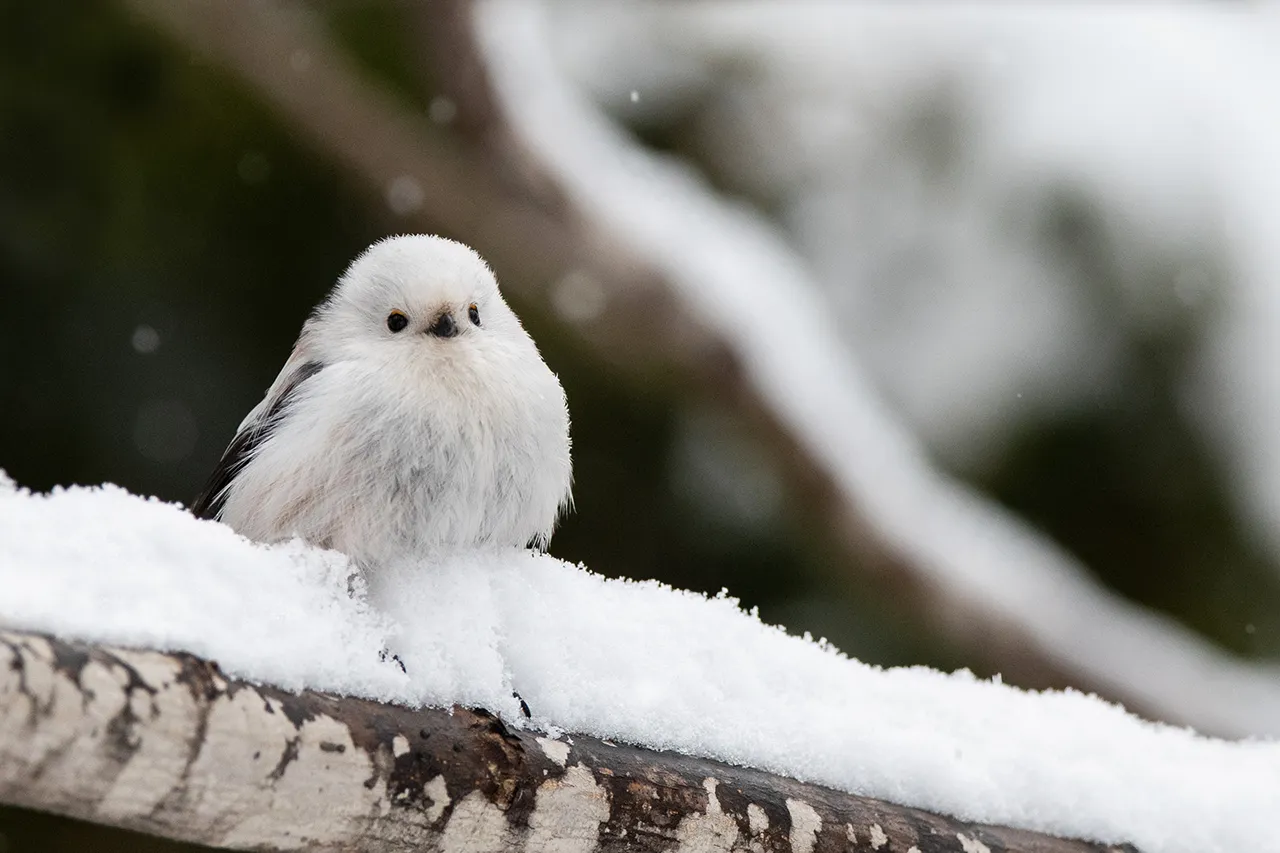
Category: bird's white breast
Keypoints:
(420, 464)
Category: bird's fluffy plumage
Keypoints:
(383, 443)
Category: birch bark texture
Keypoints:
(166, 744)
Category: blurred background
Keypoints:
(1047, 236)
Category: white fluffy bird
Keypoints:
(414, 414)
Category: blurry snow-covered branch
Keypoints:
(679, 280)
(1023, 218)
(918, 155)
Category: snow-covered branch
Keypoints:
(680, 279)
(167, 744)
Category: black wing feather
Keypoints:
(210, 501)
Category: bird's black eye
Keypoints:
(474, 314)
(396, 321)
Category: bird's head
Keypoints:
(423, 299)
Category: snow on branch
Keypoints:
(547, 187)
(621, 661)
(167, 744)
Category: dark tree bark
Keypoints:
(167, 744)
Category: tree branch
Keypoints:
(167, 744)
(1006, 595)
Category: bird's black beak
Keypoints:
(445, 327)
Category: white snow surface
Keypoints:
(631, 661)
